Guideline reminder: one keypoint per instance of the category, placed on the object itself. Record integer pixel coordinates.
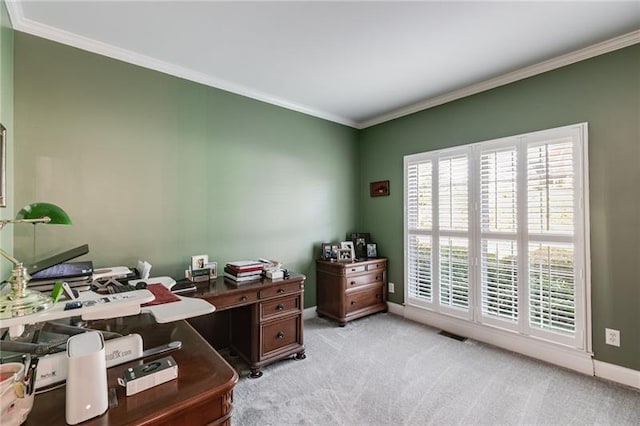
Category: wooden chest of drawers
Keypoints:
(346, 291)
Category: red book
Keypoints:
(162, 294)
(244, 266)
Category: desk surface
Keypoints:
(201, 394)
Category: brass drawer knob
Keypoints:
(353, 282)
(280, 335)
(377, 277)
(244, 298)
(353, 302)
(280, 290)
(280, 306)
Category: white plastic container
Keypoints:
(86, 377)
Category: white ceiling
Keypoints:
(357, 63)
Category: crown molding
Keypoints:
(20, 23)
(530, 71)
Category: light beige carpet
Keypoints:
(384, 370)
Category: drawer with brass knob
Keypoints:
(280, 306)
(278, 335)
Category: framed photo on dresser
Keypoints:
(360, 241)
(326, 251)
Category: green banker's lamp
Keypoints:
(20, 301)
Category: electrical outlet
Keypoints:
(612, 337)
(392, 287)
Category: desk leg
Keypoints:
(255, 373)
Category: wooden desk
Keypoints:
(262, 320)
(202, 394)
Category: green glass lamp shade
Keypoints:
(40, 210)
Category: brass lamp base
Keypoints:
(29, 302)
(19, 301)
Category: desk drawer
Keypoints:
(282, 305)
(364, 279)
(280, 289)
(233, 300)
(279, 334)
(364, 299)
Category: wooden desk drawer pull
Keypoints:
(280, 335)
(377, 278)
(353, 302)
(353, 283)
(281, 290)
(243, 298)
(280, 306)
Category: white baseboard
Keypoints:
(309, 313)
(566, 357)
(396, 308)
(615, 373)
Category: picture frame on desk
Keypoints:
(199, 261)
(372, 250)
(213, 269)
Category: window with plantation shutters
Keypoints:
(498, 235)
(495, 233)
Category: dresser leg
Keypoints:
(300, 355)
(255, 373)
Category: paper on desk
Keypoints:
(111, 272)
(144, 268)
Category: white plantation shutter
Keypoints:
(550, 214)
(498, 237)
(495, 232)
(551, 287)
(420, 278)
(550, 188)
(420, 224)
(454, 272)
(453, 190)
(499, 280)
(419, 209)
(498, 190)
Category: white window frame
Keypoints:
(581, 339)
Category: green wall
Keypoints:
(6, 118)
(154, 167)
(603, 91)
